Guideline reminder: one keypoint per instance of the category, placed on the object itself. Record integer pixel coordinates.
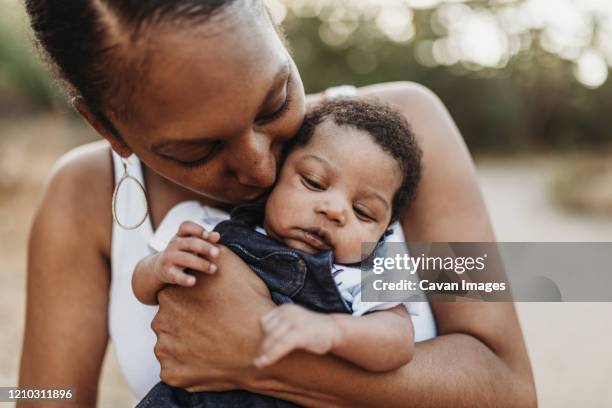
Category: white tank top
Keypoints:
(129, 320)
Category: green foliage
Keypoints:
(532, 103)
(529, 99)
(25, 83)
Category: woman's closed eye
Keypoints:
(279, 111)
(203, 158)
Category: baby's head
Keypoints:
(350, 171)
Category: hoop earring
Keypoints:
(126, 176)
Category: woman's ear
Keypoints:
(102, 127)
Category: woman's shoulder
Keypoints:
(417, 102)
(401, 93)
(90, 159)
(398, 89)
(79, 191)
(85, 171)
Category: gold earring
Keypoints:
(126, 176)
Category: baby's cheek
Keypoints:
(349, 250)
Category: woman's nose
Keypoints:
(333, 211)
(253, 161)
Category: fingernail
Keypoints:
(205, 234)
(212, 268)
(261, 360)
(214, 251)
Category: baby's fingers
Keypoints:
(191, 261)
(276, 350)
(176, 276)
(196, 246)
(212, 236)
(190, 229)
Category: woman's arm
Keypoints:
(68, 279)
(209, 335)
(479, 358)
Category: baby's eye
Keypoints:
(312, 184)
(363, 215)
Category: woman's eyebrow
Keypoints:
(279, 79)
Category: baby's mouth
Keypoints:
(318, 238)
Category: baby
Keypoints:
(348, 174)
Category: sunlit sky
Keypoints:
(478, 37)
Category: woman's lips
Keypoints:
(317, 237)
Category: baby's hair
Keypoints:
(387, 127)
(93, 44)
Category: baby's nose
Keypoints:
(334, 212)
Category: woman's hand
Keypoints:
(209, 335)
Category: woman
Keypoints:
(205, 94)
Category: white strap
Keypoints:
(338, 91)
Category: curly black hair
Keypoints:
(387, 127)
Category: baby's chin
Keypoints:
(347, 258)
(338, 256)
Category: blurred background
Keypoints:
(525, 80)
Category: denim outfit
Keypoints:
(292, 276)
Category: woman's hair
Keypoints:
(387, 128)
(90, 42)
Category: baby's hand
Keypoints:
(290, 327)
(193, 248)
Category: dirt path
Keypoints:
(567, 342)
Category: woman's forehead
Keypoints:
(193, 77)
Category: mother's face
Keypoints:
(215, 107)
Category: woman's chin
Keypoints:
(243, 197)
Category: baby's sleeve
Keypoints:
(349, 284)
(186, 211)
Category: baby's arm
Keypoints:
(379, 341)
(191, 248)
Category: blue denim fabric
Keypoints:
(293, 276)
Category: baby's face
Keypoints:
(334, 193)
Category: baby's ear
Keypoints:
(102, 126)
